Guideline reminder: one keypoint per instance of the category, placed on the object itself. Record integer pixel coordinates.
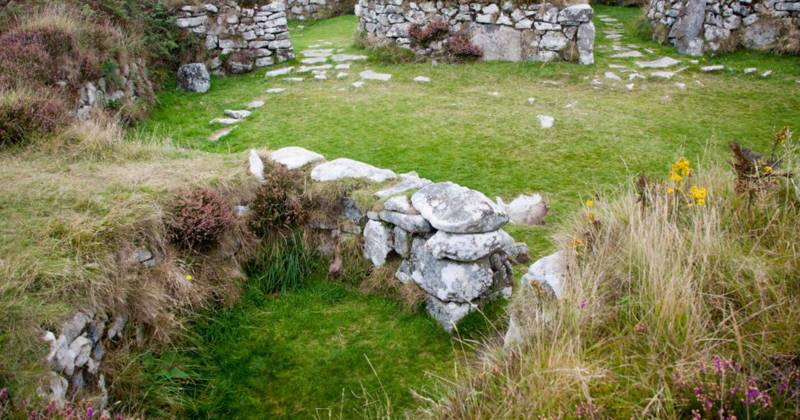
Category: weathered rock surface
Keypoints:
(400, 204)
(450, 281)
(455, 209)
(194, 77)
(550, 272)
(662, 62)
(525, 209)
(467, 247)
(413, 223)
(371, 75)
(447, 313)
(343, 168)
(408, 182)
(378, 242)
(293, 157)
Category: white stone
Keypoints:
(400, 204)
(342, 75)
(343, 168)
(467, 247)
(447, 313)
(275, 90)
(531, 101)
(550, 272)
(345, 66)
(413, 223)
(348, 57)
(546, 121)
(525, 209)
(716, 67)
(662, 62)
(627, 54)
(256, 165)
(238, 114)
(766, 73)
(422, 79)
(293, 157)
(225, 121)
(750, 70)
(449, 281)
(629, 86)
(452, 208)
(371, 75)
(280, 72)
(313, 60)
(610, 75)
(409, 182)
(358, 84)
(255, 104)
(377, 242)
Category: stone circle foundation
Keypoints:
(239, 39)
(507, 31)
(695, 27)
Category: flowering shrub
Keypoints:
(199, 219)
(461, 47)
(278, 205)
(37, 54)
(435, 30)
(723, 390)
(756, 172)
(23, 114)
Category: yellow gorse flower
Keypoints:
(590, 203)
(782, 135)
(680, 169)
(698, 194)
(189, 277)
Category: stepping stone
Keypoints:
(359, 84)
(610, 75)
(275, 90)
(681, 86)
(628, 54)
(317, 52)
(660, 63)
(225, 121)
(617, 47)
(617, 67)
(313, 60)
(280, 72)
(218, 135)
(348, 57)
(633, 46)
(306, 69)
(634, 76)
(237, 114)
(750, 70)
(293, 79)
(596, 83)
(255, 104)
(293, 157)
(371, 75)
(342, 75)
(614, 37)
(694, 61)
(531, 101)
(649, 51)
(422, 79)
(342, 66)
(629, 86)
(545, 121)
(320, 77)
(495, 94)
(766, 73)
(664, 74)
(343, 168)
(717, 67)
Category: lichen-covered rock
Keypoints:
(525, 209)
(467, 247)
(413, 223)
(344, 168)
(408, 182)
(295, 157)
(194, 77)
(400, 204)
(447, 313)
(455, 209)
(550, 272)
(377, 242)
(450, 281)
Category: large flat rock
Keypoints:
(344, 168)
(294, 157)
(449, 281)
(455, 209)
(467, 247)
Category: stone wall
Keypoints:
(316, 9)
(119, 89)
(521, 32)
(239, 39)
(698, 26)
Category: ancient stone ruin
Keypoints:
(698, 26)
(507, 31)
(239, 39)
(316, 9)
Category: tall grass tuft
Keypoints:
(284, 264)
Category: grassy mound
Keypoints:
(681, 300)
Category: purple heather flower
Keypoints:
(3, 395)
(584, 303)
(751, 395)
(718, 365)
(90, 412)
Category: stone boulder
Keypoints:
(343, 168)
(498, 42)
(378, 242)
(409, 181)
(413, 223)
(450, 281)
(455, 209)
(295, 157)
(194, 77)
(467, 247)
(550, 272)
(525, 209)
(688, 29)
(446, 313)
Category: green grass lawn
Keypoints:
(308, 350)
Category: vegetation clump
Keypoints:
(278, 203)
(461, 48)
(435, 30)
(199, 219)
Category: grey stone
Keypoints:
(446, 313)
(550, 272)
(294, 157)
(348, 57)
(58, 389)
(403, 273)
(402, 242)
(82, 348)
(689, 27)
(279, 72)
(585, 43)
(72, 328)
(343, 168)
(194, 77)
(410, 222)
(554, 41)
(456, 209)
(116, 326)
(761, 35)
(238, 114)
(450, 281)
(371, 75)
(662, 62)
(574, 15)
(400, 204)
(408, 182)
(467, 247)
(525, 209)
(377, 242)
(498, 42)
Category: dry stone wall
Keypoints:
(239, 39)
(316, 9)
(507, 31)
(698, 26)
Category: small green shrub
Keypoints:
(199, 218)
(278, 204)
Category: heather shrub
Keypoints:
(425, 34)
(461, 48)
(199, 218)
(278, 203)
(23, 114)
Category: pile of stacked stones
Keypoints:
(698, 26)
(533, 32)
(248, 38)
(122, 87)
(315, 9)
(76, 353)
(448, 238)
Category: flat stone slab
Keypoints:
(220, 134)
(422, 79)
(716, 67)
(275, 90)
(358, 84)
(628, 54)
(225, 121)
(306, 69)
(280, 72)
(467, 247)
(660, 63)
(371, 75)
(413, 223)
(313, 60)
(294, 157)
(455, 209)
(317, 52)
(408, 182)
(293, 79)
(545, 121)
(342, 75)
(348, 57)
(610, 75)
(345, 66)
(343, 168)
(255, 104)
(238, 114)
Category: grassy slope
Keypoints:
(451, 129)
